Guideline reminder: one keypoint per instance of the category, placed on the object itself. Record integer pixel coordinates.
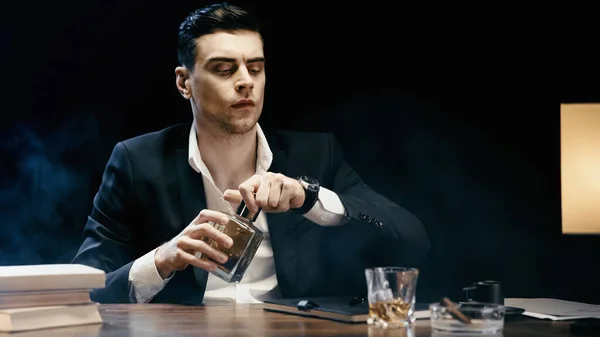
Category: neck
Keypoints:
(230, 158)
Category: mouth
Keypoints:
(245, 103)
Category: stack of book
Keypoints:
(48, 296)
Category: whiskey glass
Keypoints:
(392, 296)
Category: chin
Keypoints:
(239, 126)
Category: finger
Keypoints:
(288, 194)
(248, 190)
(233, 196)
(262, 195)
(188, 244)
(206, 230)
(275, 191)
(207, 215)
(195, 261)
(297, 195)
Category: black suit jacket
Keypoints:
(149, 194)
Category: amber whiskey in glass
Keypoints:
(246, 239)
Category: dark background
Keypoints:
(452, 115)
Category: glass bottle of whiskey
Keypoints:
(246, 239)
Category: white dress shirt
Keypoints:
(259, 278)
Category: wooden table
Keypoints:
(149, 320)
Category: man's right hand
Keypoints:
(180, 251)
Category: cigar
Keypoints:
(454, 311)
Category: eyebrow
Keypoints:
(231, 60)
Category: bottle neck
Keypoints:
(245, 212)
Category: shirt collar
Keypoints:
(264, 156)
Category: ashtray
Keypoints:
(477, 318)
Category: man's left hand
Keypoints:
(272, 192)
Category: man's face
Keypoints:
(228, 81)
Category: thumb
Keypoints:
(232, 196)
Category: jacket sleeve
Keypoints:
(399, 230)
(107, 239)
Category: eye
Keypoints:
(224, 71)
(255, 70)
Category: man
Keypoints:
(324, 225)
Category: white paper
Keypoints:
(554, 309)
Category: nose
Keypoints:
(245, 81)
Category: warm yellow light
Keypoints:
(580, 168)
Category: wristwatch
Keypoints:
(311, 191)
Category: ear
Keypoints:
(182, 81)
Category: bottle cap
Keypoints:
(245, 212)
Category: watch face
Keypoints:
(311, 184)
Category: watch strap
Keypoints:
(311, 195)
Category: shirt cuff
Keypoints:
(328, 210)
(144, 278)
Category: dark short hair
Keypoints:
(207, 20)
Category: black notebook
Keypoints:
(342, 309)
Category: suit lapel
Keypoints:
(193, 200)
(283, 232)
(191, 188)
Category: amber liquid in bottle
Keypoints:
(246, 239)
